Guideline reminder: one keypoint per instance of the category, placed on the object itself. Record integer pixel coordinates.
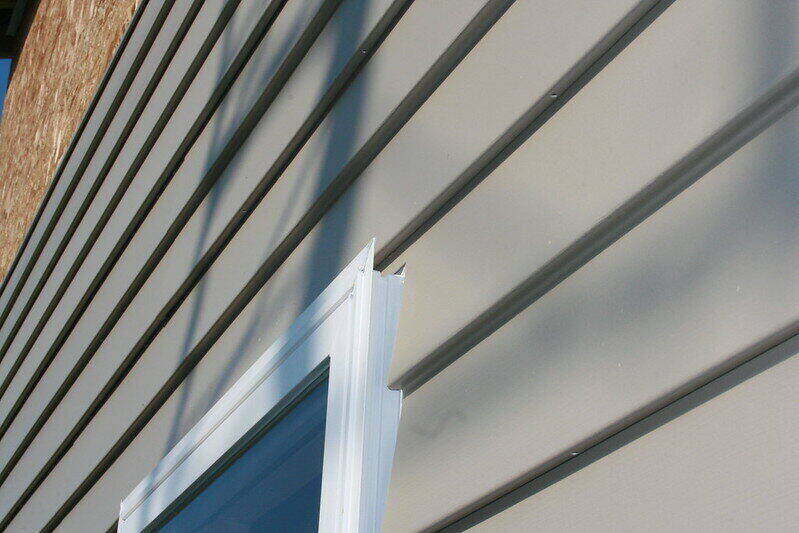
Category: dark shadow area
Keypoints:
(220, 137)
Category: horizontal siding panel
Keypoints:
(682, 296)
(185, 115)
(682, 80)
(112, 89)
(164, 91)
(276, 45)
(721, 466)
(328, 246)
(145, 77)
(337, 44)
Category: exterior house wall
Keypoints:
(714, 460)
(596, 203)
(68, 47)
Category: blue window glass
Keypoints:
(275, 485)
(5, 72)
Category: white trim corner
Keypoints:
(349, 332)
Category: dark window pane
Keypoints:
(275, 485)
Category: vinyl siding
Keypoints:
(681, 296)
(721, 467)
(124, 68)
(592, 220)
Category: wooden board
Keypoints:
(66, 53)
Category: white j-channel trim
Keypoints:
(351, 327)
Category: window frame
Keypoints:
(346, 336)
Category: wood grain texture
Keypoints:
(65, 55)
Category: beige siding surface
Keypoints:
(596, 201)
(686, 293)
(727, 465)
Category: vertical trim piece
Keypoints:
(348, 332)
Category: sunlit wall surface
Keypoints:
(597, 204)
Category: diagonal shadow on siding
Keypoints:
(193, 403)
(679, 266)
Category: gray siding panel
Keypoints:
(178, 127)
(680, 297)
(113, 92)
(727, 465)
(627, 128)
(502, 150)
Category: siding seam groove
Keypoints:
(75, 136)
(90, 196)
(739, 130)
(128, 81)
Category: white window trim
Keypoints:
(348, 332)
